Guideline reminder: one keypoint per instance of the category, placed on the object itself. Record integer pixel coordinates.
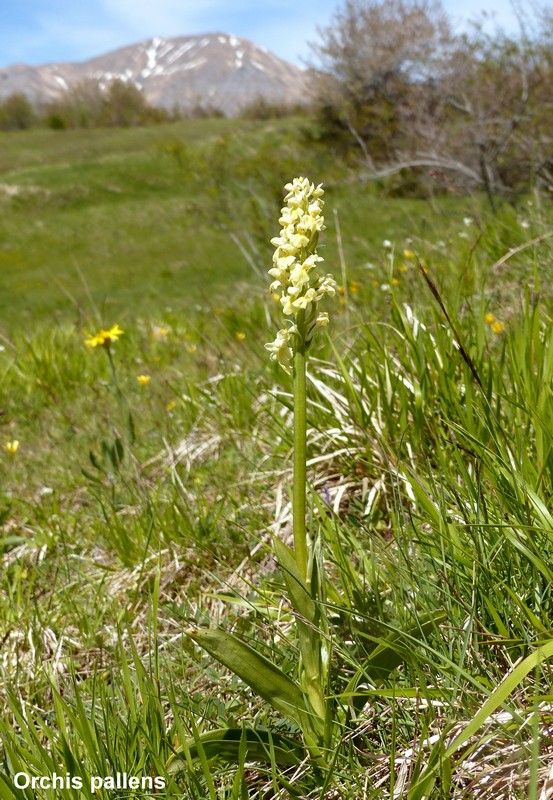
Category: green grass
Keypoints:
(130, 512)
(136, 222)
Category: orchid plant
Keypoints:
(301, 287)
(308, 698)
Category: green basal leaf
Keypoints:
(228, 744)
(257, 671)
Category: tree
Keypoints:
(124, 105)
(16, 113)
(89, 104)
(373, 59)
(80, 106)
(490, 102)
(474, 110)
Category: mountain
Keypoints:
(215, 70)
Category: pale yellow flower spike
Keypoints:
(297, 282)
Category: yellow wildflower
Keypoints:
(191, 348)
(94, 341)
(12, 447)
(114, 332)
(408, 254)
(171, 405)
(143, 380)
(394, 282)
(240, 336)
(103, 337)
(490, 319)
(498, 326)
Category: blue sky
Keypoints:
(43, 31)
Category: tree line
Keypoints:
(88, 104)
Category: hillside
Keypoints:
(152, 217)
(214, 70)
(148, 448)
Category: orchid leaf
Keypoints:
(228, 744)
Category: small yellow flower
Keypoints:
(171, 405)
(95, 341)
(160, 332)
(275, 296)
(341, 290)
(408, 254)
(12, 447)
(191, 348)
(395, 282)
(114, 333)
(143, 380)
(103, 337)
(403, 268)
(353, 289)
(490, 319)
(497, 327)
(240, 336)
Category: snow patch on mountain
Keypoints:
(178, 52)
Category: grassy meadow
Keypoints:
(142, 484)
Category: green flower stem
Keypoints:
(124, 410)
(300, 451)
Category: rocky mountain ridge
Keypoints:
(214, 70)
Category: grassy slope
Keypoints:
(108, 219)
(102, 209)
(126, 226)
